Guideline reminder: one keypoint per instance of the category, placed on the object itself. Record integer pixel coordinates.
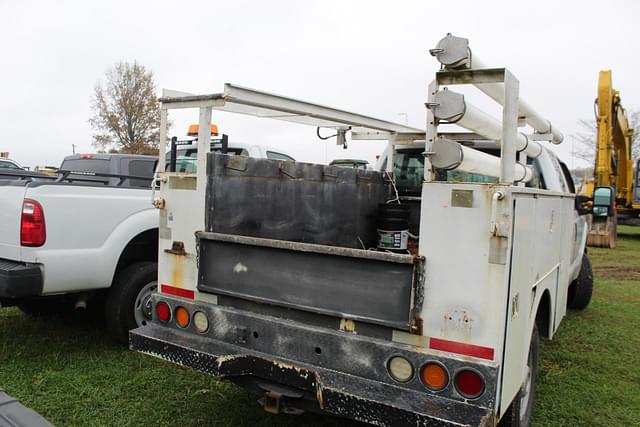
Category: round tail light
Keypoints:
(201, 322)
(182, 317)
(469, 383)
(163, 312)
(434, 376)
(400, 369)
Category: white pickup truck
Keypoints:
(64, 238)
(80, 238)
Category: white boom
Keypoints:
(454, 53)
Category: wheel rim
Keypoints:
(525, 395)
(142, 310)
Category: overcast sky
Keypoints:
(368, 57)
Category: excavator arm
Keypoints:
(613, 172)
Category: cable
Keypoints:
(395, 189)
(324, 138)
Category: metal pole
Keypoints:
(451, 106)
(204, 141)
(449, 155)
(509, 128)
(162, 146)
(431, 130)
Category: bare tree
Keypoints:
(586, 138)
(126, 112)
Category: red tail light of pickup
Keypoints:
(33, 231)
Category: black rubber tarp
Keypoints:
(293, 201)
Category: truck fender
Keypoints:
(126, 232)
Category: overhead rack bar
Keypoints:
(256, 103)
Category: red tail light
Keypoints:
(163, 311)
(33, 231)
(469, 383)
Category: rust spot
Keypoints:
(488, 420)
(176, 273)
(319, 396)
(416, 325)
(177, 248)
(159, 203)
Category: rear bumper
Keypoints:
(335, 391)
(19, 280)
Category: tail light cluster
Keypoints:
(33, 231)
(182, 317)
(435, 376)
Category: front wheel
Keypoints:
(128, 303)
(521, 409)
(581, 289)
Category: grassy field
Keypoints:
(67, 369)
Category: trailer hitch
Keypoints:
(275, 399)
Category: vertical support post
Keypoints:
(431, 130)
(204, 146)
(174, 154)
(509, 128)
(162, 147)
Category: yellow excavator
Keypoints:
(615, 190)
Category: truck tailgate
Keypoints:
(11, 198)
(370, 286)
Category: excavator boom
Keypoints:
(613, 171)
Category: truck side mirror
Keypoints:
(604, 201)
(581, 204)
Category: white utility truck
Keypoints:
(412, 295)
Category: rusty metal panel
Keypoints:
(293, 201)
(373, 287)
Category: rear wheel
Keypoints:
(128, 303)
(521, 409)
(581, 289)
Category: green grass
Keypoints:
(67, 369)
(590, 371)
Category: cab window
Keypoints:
(408, 172)
(279, 156)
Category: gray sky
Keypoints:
(368, 57)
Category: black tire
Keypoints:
(45, 306)
(581, 289)
(521, 409)
(120, 307)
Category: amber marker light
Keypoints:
(182, 317)
(434, 376)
